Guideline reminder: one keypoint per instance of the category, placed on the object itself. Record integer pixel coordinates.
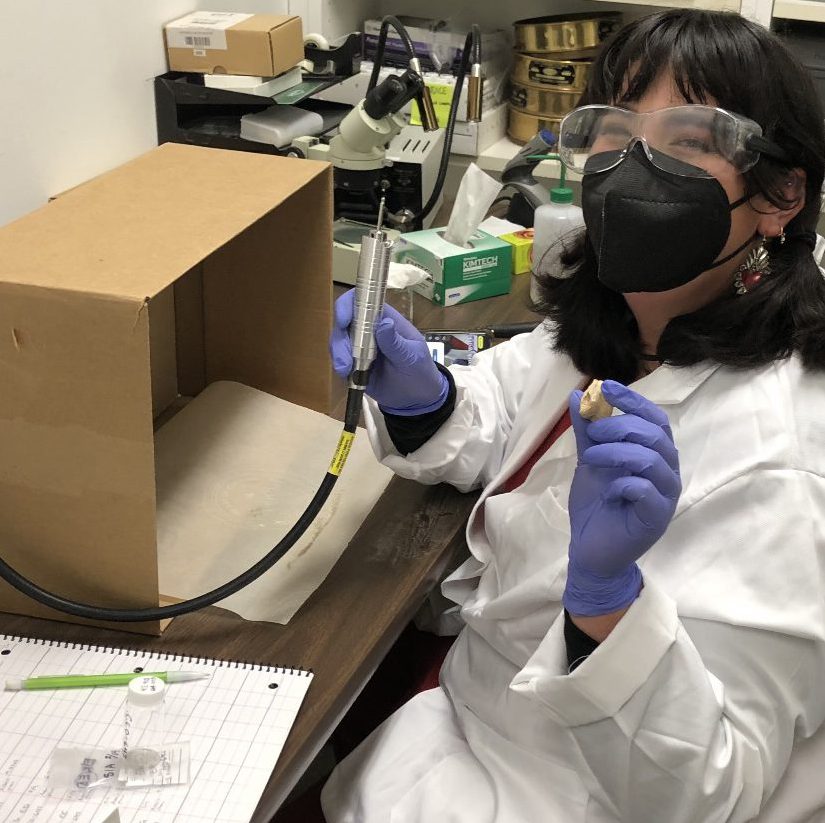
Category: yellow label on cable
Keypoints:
(341, 453)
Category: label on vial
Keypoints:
(166, 766)
(76, 768)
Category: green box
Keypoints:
(522, 243)
(456, 274)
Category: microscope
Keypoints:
(376, 156)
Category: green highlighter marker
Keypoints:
(89, 681)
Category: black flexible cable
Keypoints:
(388, 21)
(448, 132)
(73, 607)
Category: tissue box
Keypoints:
(522, 243)
(473, 138)
(456, 274)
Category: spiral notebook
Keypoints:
(235, 724)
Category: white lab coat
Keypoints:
(693, 707)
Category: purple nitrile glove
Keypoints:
(623, 497)
(403, 379)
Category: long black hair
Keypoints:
(745, 69)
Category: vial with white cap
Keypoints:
(144, 722)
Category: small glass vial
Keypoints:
(144, 723)
(401, 299)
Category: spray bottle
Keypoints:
(553, 221)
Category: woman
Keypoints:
(644, 604)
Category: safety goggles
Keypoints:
(690, 140)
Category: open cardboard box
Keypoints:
(141, 287)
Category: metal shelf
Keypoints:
(809, 10)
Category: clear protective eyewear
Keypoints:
(689, 140)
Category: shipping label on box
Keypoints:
(456, 274)
(261, 45)
(202, 30)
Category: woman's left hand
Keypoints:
(623, 497)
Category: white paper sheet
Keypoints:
(234, 724)
(235, 469)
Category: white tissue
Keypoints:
(475, 196)
(404, 275)
(819, 248)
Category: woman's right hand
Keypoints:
(404, 379)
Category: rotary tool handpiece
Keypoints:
(370, 288)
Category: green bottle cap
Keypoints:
(561, 194)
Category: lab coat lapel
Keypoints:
(542, 406)
(546, 400)
(671, 385)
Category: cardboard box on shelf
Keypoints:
(457, 274)
(185, 266)
(437, 46)
(211, 42)
(473, 138)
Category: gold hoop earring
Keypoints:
(756, 266)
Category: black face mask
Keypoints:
(654, 230)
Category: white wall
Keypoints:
(334, 18)
(76, 96)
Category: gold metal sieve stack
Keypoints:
(553, 57)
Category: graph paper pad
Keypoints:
(236, 724)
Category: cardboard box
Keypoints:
(522, 243)
(186, 266)
(474, 138)
(437, 46)
(456, 274)
(212, 42)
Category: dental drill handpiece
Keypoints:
(370, 288)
